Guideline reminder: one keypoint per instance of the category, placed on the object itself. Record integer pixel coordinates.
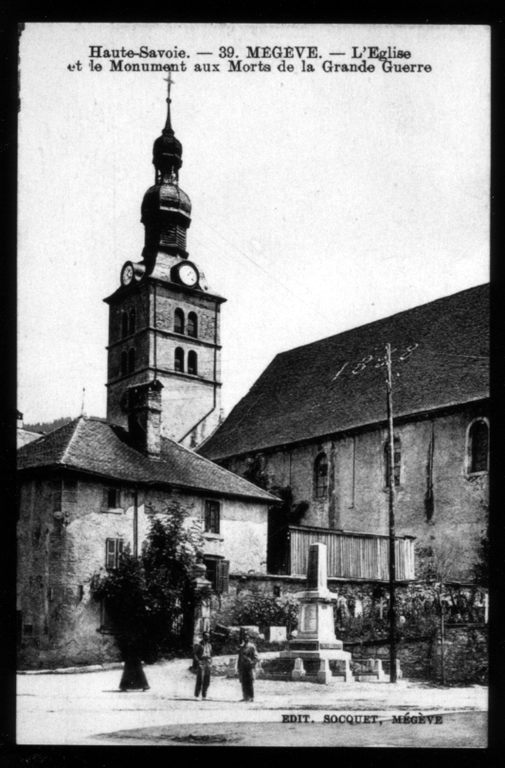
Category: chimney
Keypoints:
(144, 417)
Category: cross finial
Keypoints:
(169, 81)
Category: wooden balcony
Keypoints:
(350, 555)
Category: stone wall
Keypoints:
(357, 498)
(363, 627)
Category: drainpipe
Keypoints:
(135, 523)
(214, 393)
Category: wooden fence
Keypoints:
(351, 555)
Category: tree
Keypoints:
(150, 599)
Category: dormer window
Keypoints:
(179, 360)
(179, 321)
(192, 363)
(192, 325)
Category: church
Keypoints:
(313, 428)
(302, 458)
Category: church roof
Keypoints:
(96, 447)
(439, 359)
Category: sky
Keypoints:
(322, 200)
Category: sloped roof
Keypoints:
(321, 388)
(101, 449)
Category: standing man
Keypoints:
(247, 660)
(202, 657)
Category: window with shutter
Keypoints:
(222, 576)
(113, 550)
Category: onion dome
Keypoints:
(165, 197)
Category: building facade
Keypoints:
(319, 431)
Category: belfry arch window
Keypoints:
(124, 363)
(192, 328)
(124, 324)
(478, 446)
(320, 476)
(397, 461)
(179, 321)
(131, 360)
(192, 363)
(179, 359)
(132, 319)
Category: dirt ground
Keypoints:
(81, 709)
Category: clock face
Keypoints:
(188, 274)
(127, 274)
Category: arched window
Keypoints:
(192, 325)
(124, 324)
(131, 360)
(179, 321)
(179, 359)
(397, 461)
(132, 320)
(478, 446)
(320, 476)
(124, 363)
(192, 363)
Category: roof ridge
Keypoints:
(378, 320)
(214, 464)
(77, 424)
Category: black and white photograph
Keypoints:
(253, 416)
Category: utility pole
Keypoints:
(391, 482)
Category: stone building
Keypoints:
(313, 427)
(89, 489)
(86, 491)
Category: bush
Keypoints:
(263, 610)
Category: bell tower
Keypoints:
(164, 321)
